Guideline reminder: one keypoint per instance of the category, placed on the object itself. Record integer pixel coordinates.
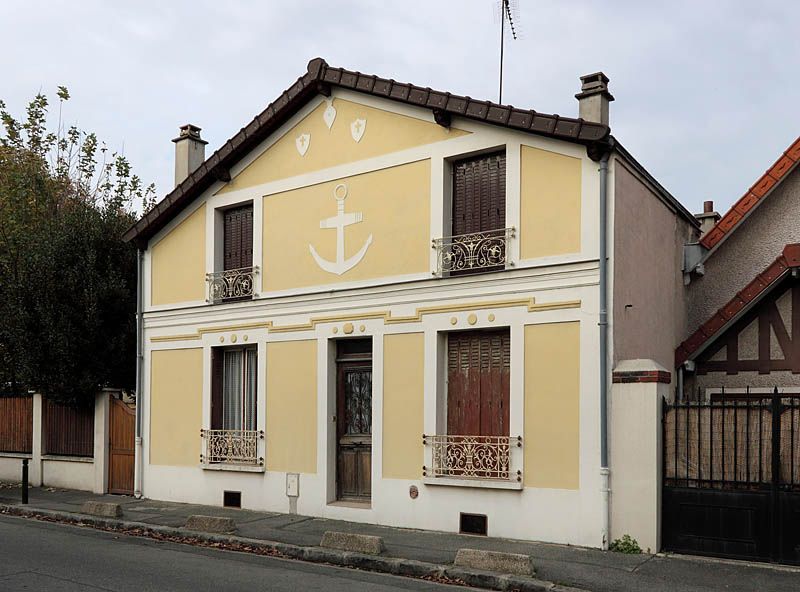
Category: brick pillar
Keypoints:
(637, 394)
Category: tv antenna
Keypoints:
(509, 11)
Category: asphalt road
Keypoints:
(40, 556)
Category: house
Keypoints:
(732, 452)
(384, 303)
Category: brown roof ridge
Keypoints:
(789, 259)
(318, 79)
(763, 187)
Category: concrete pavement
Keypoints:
(589, 569)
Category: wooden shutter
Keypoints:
(217, 357)
(478, 372)
(479, 193)
(238, 237)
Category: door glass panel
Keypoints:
(358, 401)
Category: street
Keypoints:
(40, 556)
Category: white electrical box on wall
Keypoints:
(293, 484)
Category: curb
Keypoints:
(389, 565)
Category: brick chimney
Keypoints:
(594, 98)
(708, 218)
(190, 152)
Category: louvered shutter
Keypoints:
(479, 194)
(478, 372)
(238, 238)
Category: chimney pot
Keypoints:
(708, 218)
(190, 152)
(594, 98)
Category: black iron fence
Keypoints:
(733, 442)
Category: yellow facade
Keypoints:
(403, 398)
(552, 405)
(550, 194)
(383, 133)
(176, 406)
(292, 406)
(178, 262)
(395, 205)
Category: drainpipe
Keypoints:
(603, 324)
(137, 480)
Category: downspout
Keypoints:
(137, 480)
(603, 324)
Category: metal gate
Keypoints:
(732, 478)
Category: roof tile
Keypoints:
(763, 185)
(794, 150)
(712, 237)
(781, 167)
(729, 221)
(745, 203)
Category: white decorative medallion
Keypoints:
(339, 222)
(302, 142)
(357, 129)
(329, 115)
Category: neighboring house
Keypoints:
(741, 291)
(732, 453)
(383, 303)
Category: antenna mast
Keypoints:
(506, 12)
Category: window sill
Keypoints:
(351, 504)
(16, 455)
(234, 468)
(474, 483)
(66, 458)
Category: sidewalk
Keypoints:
(589, 569)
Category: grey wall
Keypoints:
(649, 307)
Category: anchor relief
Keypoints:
(340, 221)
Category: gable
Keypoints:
(356, 132)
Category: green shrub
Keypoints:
(626, 544)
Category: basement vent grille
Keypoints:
(472, 524)
(232, 499)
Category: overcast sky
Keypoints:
(706, 91)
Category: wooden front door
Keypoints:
(122, 433)
(354, 427)
(478, 372)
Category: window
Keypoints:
(474, 443)
(479, 194)
(233, 388)
(478, 372)
(238, 238)
(235, 280)
(478, 236)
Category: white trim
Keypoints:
(19, 455)
(62, 457)
(233, 468)
(476, 483)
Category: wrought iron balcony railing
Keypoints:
(232, 447)
(473, 252)
(471, 457)
(231, 284)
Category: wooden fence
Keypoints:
(66, 430)
(16, 424)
